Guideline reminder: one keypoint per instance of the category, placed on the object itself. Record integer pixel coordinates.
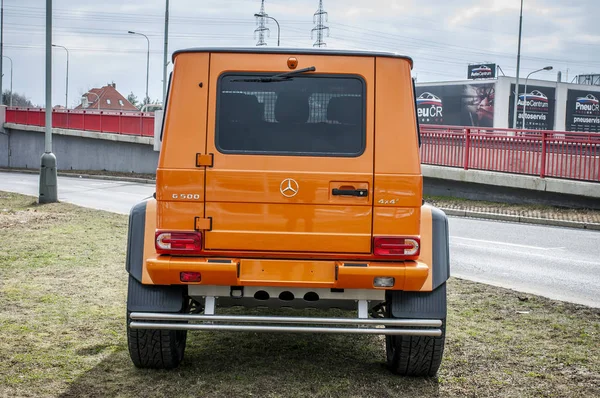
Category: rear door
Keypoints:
(292, 160)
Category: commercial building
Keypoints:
(489, 102)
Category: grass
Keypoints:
(62, 317)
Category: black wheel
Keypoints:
(415, 355)
(154, 348)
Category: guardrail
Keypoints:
(130, 123)
(571, 155)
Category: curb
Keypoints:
(91, 176)
(521, 219)
(109, 178)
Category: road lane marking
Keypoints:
(506, 244)
(572, 262)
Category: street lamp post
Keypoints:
(11, 78)
(48, 183)
(166, 49)
(525, 94)
(1, 47)
(147, 60)
(67, 88)
(278, 30)
(518, 68)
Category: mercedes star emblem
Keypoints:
(288, 187)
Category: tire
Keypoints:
(154, 348)
(415, 355)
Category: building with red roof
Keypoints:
(106, 98)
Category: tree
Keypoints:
(134, 100)
(17, 99)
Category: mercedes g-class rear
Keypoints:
(289, 178)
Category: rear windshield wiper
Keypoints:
(279, 77)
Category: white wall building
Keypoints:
(489, 103)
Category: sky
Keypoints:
(442, 37)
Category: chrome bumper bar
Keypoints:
(169, 321)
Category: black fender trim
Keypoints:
(154, 298)
(135, 240)
(418, 305)
(440, 247)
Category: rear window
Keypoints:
(307, 115)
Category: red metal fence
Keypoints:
(131, 123)
(542, 153)
(570, 155)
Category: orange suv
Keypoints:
(288, 178)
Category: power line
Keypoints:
(433, 51)
(213, 20)
(437, 47)
(221, 21)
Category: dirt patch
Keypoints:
(25, 218)
(62, 333)
(18, 213)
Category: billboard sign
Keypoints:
(456, 104)
(481, 71)
(583, 111)
(538, 104)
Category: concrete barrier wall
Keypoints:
(23, 146)
(3, 149)
(509, 188)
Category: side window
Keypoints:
(416, 115)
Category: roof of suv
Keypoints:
(293, 51)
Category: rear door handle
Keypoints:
(350, 192)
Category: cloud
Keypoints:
(441, 36)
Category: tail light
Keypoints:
(389, 246)
(176, 242)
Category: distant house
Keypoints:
(106, 98)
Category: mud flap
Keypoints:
(135, 240)
(154, 298)
(418, 305)
(441, 247)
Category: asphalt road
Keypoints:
(559, 263)
(115, 196)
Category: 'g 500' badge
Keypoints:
(188, 196)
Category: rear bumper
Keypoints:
(167, 321)
(408, 275)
